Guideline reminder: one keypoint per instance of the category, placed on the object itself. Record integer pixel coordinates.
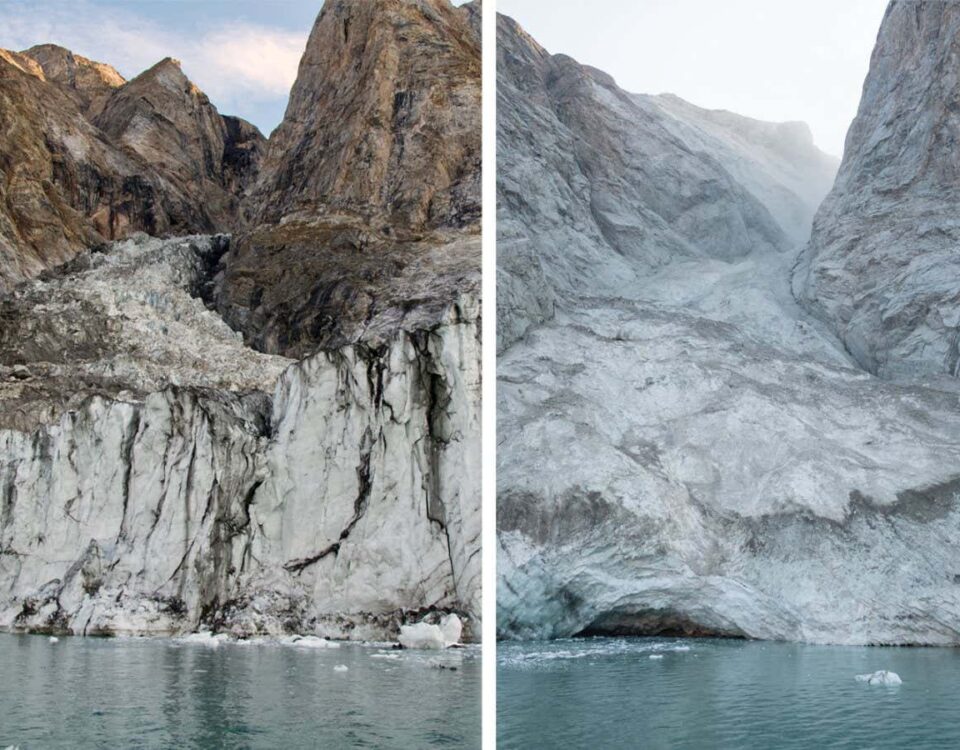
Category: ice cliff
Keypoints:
(683, 446)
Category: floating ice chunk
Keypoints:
(312, 641)
(54, 639)
(656, 656)
(205, 638)
(384, 656)
(881, 677)
(680, 648)
(452, 629)
(341, 668)
(425, 635)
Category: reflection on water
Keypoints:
(701, 693)
(154, 693)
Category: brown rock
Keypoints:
(154, 156)
(89, 81)
(163, 117)
(371, 183)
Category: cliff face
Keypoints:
(375, 173)
(683, 448)
(403, 152)
(87, 157)
(316, 470)
(881, 267)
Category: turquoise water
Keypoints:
(153, 693)
(609, 693)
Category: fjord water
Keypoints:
(716, 693)
(160, 693)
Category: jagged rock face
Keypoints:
(170, 123)
(90, 81)
(582, 173)
(69, 183)
(156, 473)
(403, 149)
(682, 447)
(882, 266)
(367, 210)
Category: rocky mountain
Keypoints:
(371, 217)
(683, 447)
(882, 264)
(87, 157)
(587, 160)
(316, 467)
(89, 82)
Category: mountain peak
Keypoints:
(88, 81)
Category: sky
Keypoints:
(769, 59)
(242, 53)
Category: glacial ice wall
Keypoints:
(337, 495)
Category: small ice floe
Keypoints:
(680, 648)
(341, 668)
(311, 641)
(205, 638)
(54, 639)
(440, 664)
(656, 656)
(425, 635)
(881, 677)
(384, 655)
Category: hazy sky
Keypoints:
(242, 53)
(769, 59)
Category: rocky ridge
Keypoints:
(314, 466)
(89, 157)
(727, 466)
(580, 191)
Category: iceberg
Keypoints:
(424, 635)
(880, 677)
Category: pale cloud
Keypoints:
(239, 65)
(252, 58)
